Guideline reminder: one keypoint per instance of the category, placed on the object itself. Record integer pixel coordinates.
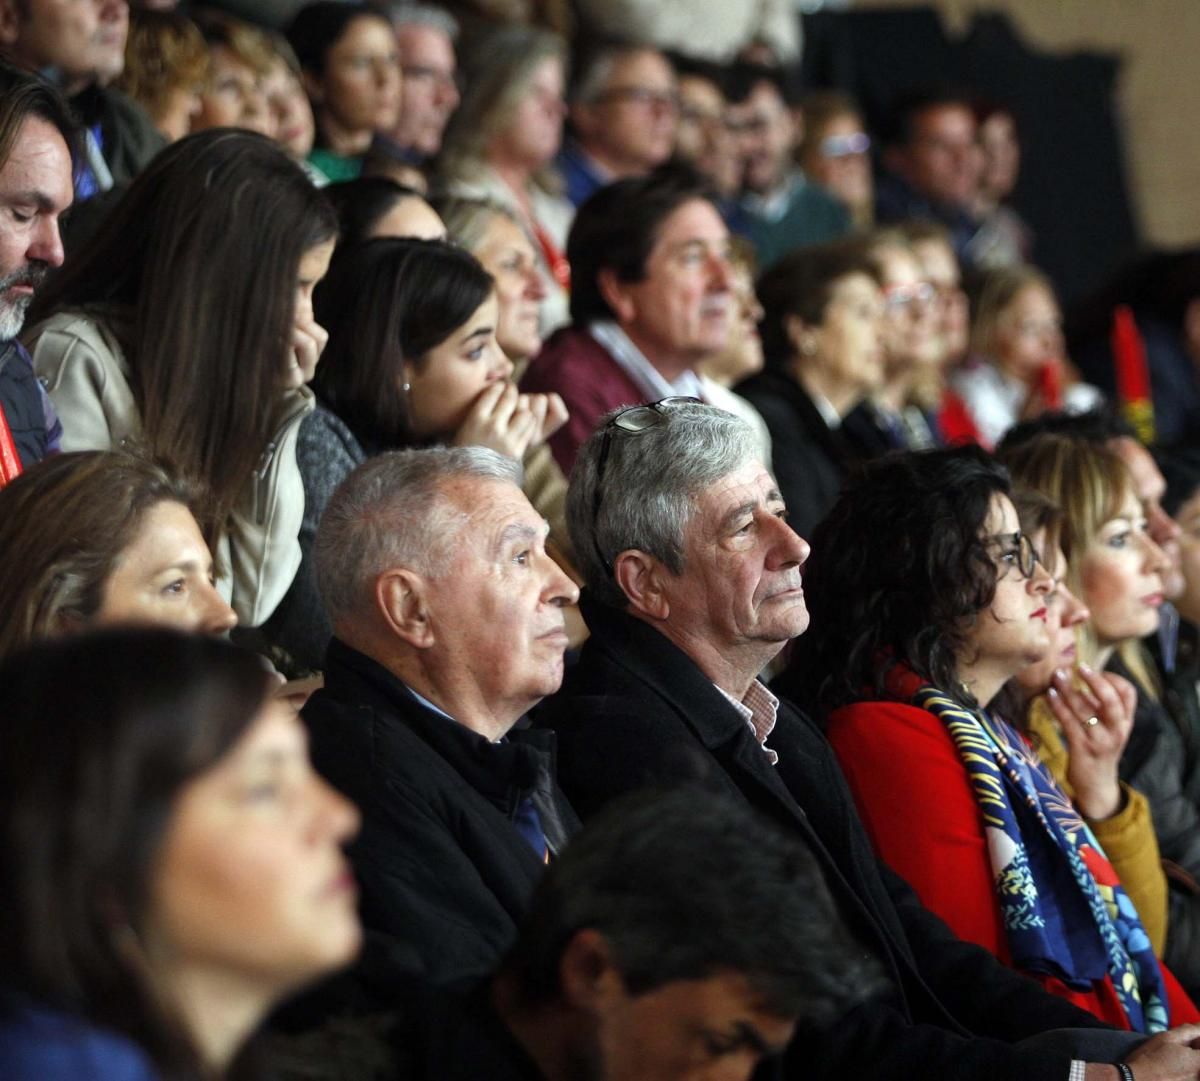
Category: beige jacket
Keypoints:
(86, 373)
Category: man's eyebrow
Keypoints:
(740, 511)
(516, 531)
(37, 198)
(749, 1036)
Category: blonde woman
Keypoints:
(1116, 569)
(502, 139)
(1017, 365)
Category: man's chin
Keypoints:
(12, 317)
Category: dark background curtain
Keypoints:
(1072, 189)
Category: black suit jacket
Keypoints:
(809, 459)
(441, 867)
(636, 710)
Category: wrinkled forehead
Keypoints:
(748, 485)
(476, 511)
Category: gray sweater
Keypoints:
(327, 452)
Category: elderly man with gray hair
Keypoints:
(693, 586)
(425, 38)
(448, 625)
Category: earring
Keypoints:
(808, 347)
(407, 387)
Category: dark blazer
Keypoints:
(808, 458)
(636, 710)
(440, 864)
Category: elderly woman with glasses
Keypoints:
(929, 598)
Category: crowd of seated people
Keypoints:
(540, 557)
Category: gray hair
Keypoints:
(467, 220)
(650, 485)
(596, 69)
(436, 18)
(392, 512)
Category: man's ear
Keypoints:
(10, 22)
(587, 973)
(401, 600)
(616, 295)
(312, 85)
(801, 337)
(641, 578)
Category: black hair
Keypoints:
(742, 77)
(386, 302)
(1181, 470)
(616, 229)
(801, 284)
(900, 128)
(684, 886)
(898, 574)
(317, 27)
(101, 733)
(361, 203)
(699, 68)
(1100, 425)
(23, 95)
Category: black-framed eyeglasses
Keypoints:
(644, 96)
(1020, 545)
(632, 421)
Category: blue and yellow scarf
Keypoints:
(1064, 910)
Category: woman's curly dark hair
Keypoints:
(898, 574)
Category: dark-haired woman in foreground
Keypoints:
(171, 865)
(929, 598)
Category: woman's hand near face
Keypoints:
(1107, 701)
(308, 341)
(501, 419)
(555, 414)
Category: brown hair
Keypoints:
(63, 527)
(23, 95)
(1038, 513)
(497, 73)
(202, 253)
(165, 52)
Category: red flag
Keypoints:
(10, 460)
(1132, 372)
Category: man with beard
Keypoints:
(36, 134)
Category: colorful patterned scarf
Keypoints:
(1065, 912)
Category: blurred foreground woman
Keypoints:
(171, 864)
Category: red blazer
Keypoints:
(914, 797)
